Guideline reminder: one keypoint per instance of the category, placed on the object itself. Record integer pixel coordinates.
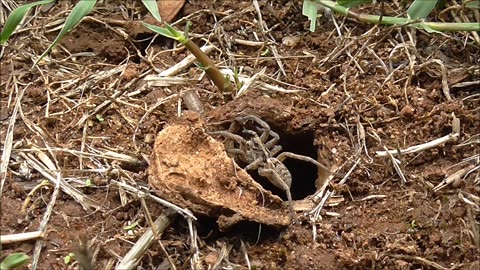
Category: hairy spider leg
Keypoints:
(284, 155)
(272, 142)
(244, 119)
(237, 138)
(277, 173)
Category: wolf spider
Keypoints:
(258, 149)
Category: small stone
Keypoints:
(291, 41)
(149, 138)
(211, 258)
(407, 111)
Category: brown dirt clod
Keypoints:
(191, 169)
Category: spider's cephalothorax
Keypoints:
(257, 147)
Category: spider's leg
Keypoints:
(250, 132)
(237, 153)
(221, 123)
(279, 176)
(258, 143)
(284, 155)
(290, 206)
(275, 150)
(266, 134)
(244, 119)
(268, 150)
(254, 165)
(254, 118)
(234, 128)
(263, 127)
(239, 139)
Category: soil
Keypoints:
(338, 99)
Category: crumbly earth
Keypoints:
(191, 169)
(366, 90)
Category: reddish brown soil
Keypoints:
(348, 100)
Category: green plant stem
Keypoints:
(212, 71)
(367, 18)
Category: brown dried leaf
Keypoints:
(169, 9)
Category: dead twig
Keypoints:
(20, 237)
(83, 200)
(395, 162)
(7, 146)
(418, 148)
(455, 177)
(133, 257)
(421, 147)
(48, 212)
(184, 212)
(187, 61)
(423, 261)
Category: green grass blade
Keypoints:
(16, 17)
(159, 30)
(178, 35)
(14, 260)
(152, 7)
(352, 3)
(168, 32)
(421, 8)
(310, 9)
(473, 4)
(426, 27)
(78, 12)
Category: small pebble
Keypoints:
(407, 111)
(149, 138)
(211, 258)
(291, 41)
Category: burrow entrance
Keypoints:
(304, 174)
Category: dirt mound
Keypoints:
(192, 169)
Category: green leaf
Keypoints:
(152, 7)
(16, 17)
(68, 259)
(352, 3)
(169, 32)
(178, 35)
(310, 9)
(421, 9)
(131, 226)
(265, 52)
(474, 4)
(99, 118)
(88, 182)
(14, 260)
(188, 25)
(201, 66)
(78, 12)
(424, 26)
(159, 30)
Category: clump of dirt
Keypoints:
(192, 169)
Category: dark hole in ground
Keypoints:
(143, 40)
(303, 173)
(250, 231)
